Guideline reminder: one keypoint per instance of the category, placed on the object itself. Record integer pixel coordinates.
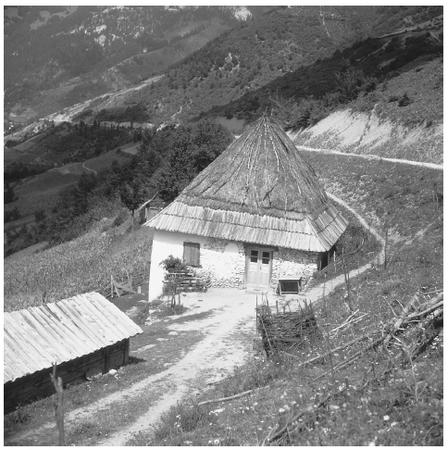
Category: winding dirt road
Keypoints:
(371, 157)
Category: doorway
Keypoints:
(258, 268)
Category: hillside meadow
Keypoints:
(80, 265)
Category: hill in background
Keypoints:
(294, 52)
(57, 56)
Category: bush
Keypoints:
(172, 264)
(404, 100)
(121, 218)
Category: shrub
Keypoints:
(404, 100)
(172, 264)
(121, 218)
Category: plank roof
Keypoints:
(39, 336)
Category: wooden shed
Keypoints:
(149, 209)
(84, 335)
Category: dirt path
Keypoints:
(213, 358)
(89, 169)
(210, 360)
(372, 157)
(316, 293)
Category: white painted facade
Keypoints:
(225, 262)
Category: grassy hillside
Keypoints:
(81, 265)
(382, 397)
(411, 96)
(62, 144)
(359, 74)
(400, 118)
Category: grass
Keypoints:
(380, 399)
(356, 244)
(42, 191)
(81, 265)
(422, 83)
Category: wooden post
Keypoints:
(58, 405)
(347, 280)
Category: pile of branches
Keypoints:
(288, 330)
(410, 332)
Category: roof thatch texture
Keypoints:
(259, 190)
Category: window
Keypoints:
(191, 254)
(254, 256)
(265, 257)
(289, 286)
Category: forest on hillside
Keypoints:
(166, 161)
(305, 96)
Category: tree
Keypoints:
(132, 195)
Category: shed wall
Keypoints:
(38, 385)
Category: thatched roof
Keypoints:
(259, 190)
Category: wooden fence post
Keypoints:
(58, 405)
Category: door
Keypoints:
(258, 268)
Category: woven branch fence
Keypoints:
(286, 331)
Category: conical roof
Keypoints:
(261, 173)
(259, 190)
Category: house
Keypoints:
(84, 335)
(256, 215)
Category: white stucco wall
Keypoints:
(224, 261)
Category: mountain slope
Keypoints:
(282, 41)
(401, 118)
(251, 55)
(58, 56)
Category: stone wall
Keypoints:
(288, 263)
(224, 262)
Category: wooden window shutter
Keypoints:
(191, 253)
